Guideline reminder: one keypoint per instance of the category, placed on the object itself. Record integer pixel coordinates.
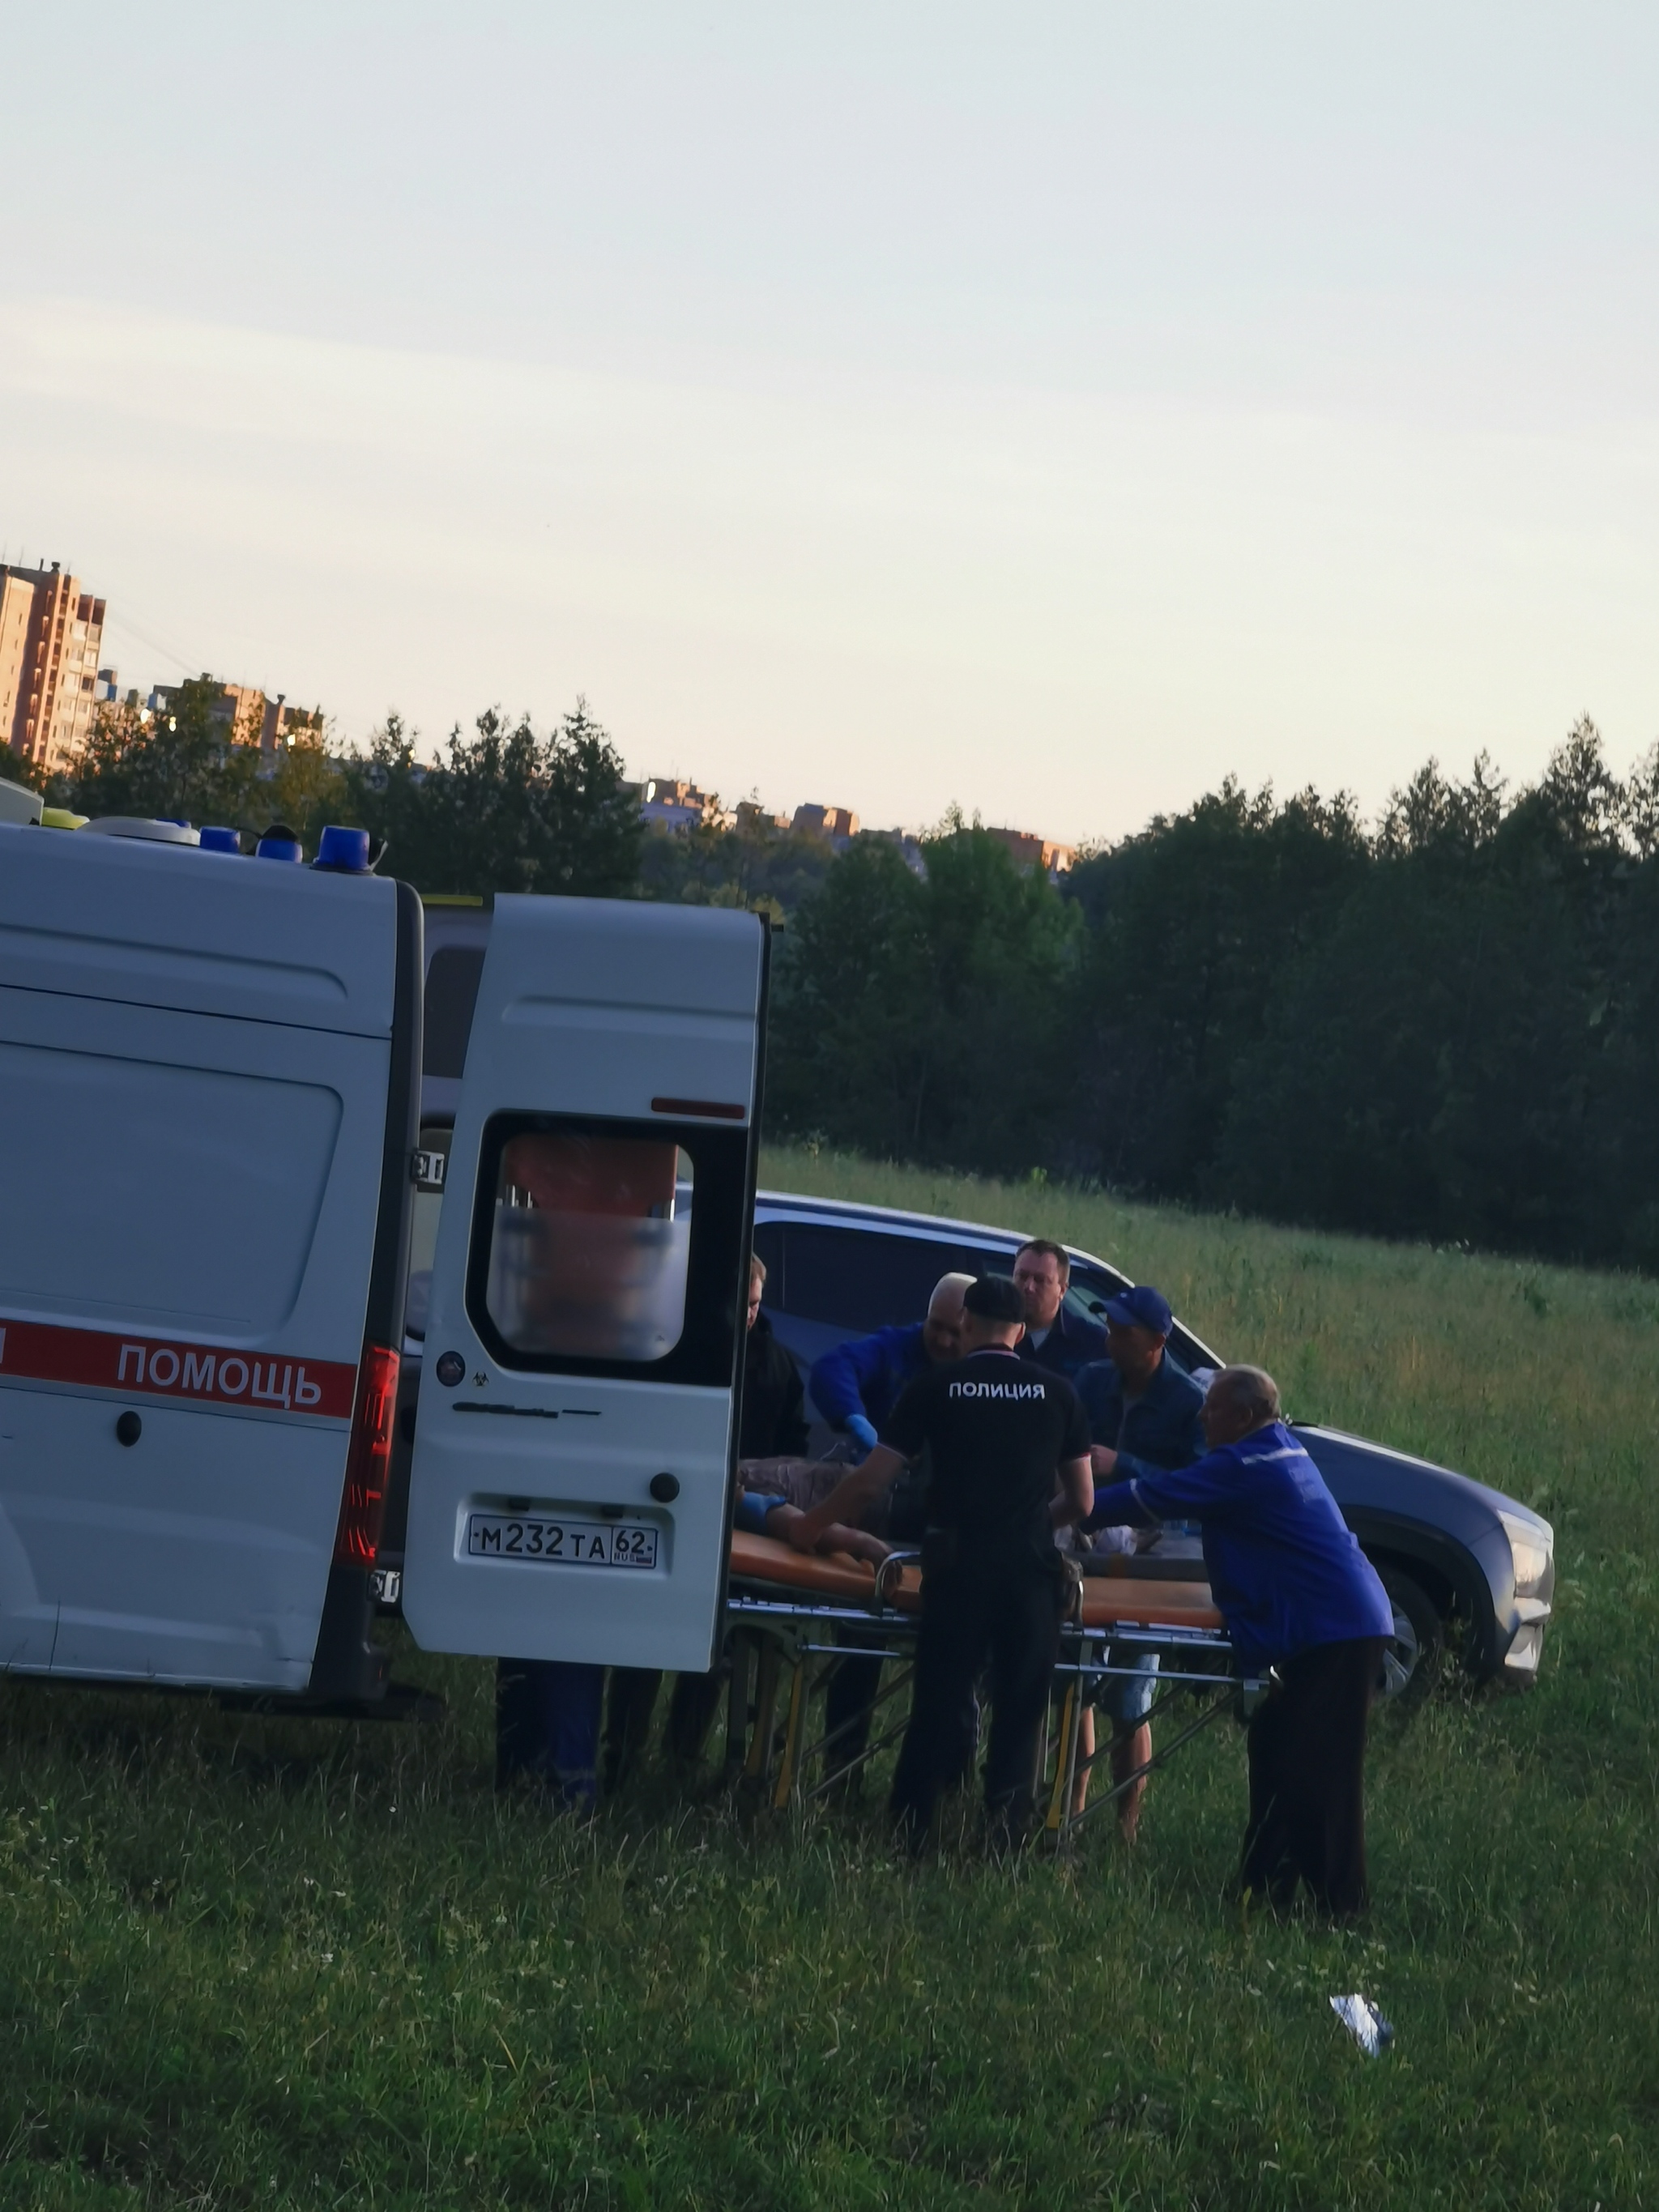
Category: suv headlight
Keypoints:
(1531, 1546)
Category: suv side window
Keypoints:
(769, 1249)
(1089, 1289)
(858, 1278)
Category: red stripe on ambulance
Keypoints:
(41, 1352)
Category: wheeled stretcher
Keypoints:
(791, 1619)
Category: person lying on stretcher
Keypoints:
(762, 1513)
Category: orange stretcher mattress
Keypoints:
(1106, 1601)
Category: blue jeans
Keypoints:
(1126, 1699)
(547, 1727)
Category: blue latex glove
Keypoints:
(863, 1429)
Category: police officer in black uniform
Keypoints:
(1010, 1464)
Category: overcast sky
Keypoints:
(1047, 410)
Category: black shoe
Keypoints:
(1008, 1830)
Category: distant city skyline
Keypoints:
(1048, 414)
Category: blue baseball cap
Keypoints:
(1141, 1308)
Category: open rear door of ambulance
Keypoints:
(576, 1432)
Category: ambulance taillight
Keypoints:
(368, 1464)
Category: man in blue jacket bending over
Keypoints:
(1298, 1594)
(856, 1385)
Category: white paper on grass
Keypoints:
(1365, 2023)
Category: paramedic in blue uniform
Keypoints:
(1143, 1409)
(1298, 1594)
(1008, 1465)
(856, 1384)
(1055, 1339)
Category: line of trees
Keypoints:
(1443, 1026)
(502, 809)
(769, 870)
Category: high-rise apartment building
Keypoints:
(250, 716)
(243, 707)
(1030, 851)
(51, 635)
(282, 727)
(838, 823)
(757, 821)
(669, 802)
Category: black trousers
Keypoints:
(1003, 1610)
(630, 1705)
(1307, 1752)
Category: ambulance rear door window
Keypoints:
(608, 1247)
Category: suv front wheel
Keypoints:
(1411, 1660)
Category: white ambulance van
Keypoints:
(211, 1068)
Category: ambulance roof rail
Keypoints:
(146, 831)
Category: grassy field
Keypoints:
(264, 1963)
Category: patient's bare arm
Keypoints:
(850, 1499)
(784, 1521)
(858, 1541)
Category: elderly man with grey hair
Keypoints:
(1299, 1596)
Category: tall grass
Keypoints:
(260, 1962)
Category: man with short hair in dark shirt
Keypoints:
(1004, 1437)
(773, 1397)
(1055, 1338)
